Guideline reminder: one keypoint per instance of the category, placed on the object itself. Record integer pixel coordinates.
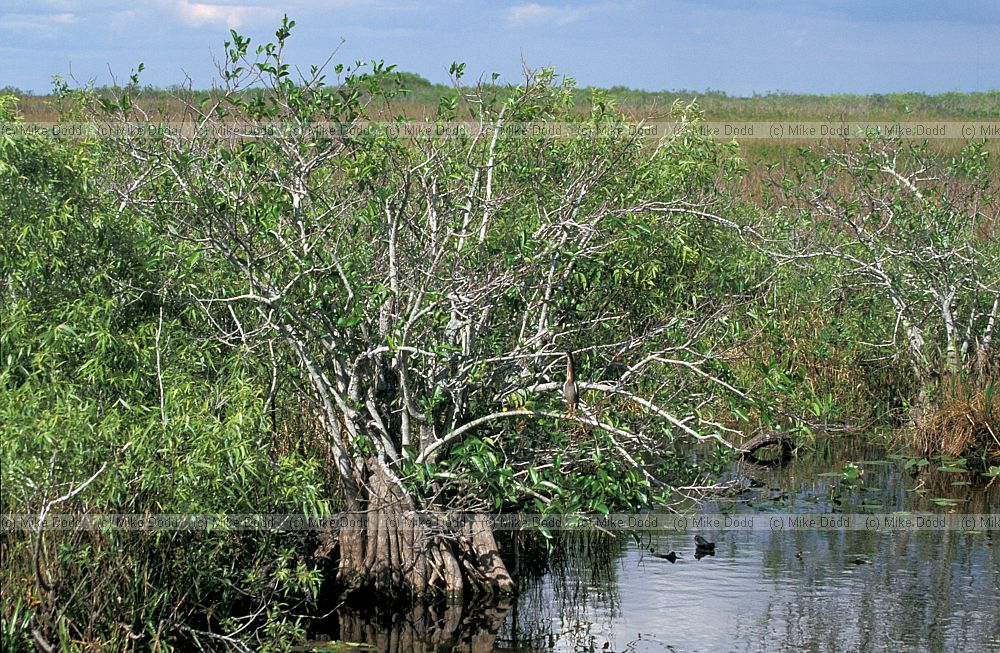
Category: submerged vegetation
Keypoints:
(307, 324)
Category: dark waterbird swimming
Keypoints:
(672, 557)
(703, 547)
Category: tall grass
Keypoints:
(965, 418)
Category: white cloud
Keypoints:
(533, 13)
(123, 20)
(197, 14)
(39, 23)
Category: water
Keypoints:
(920, 593)
(923, 591)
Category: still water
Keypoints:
(801, 590)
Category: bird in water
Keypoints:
(671, 557)
(703, 547)
(861, 561)
(571, 392)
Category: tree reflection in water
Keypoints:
(763, 591)
(461, 628)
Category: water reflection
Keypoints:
(783, 591)
(570, 607)
(420, 629)
(794, 591)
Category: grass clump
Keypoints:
(965, 419)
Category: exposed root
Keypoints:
(395, 551)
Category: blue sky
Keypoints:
(740, 47)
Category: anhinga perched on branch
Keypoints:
(571, 393)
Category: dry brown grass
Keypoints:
(965, 420)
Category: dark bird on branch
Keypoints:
(571, 393)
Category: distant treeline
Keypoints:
(715, 104)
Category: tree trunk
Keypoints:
(393, 551)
